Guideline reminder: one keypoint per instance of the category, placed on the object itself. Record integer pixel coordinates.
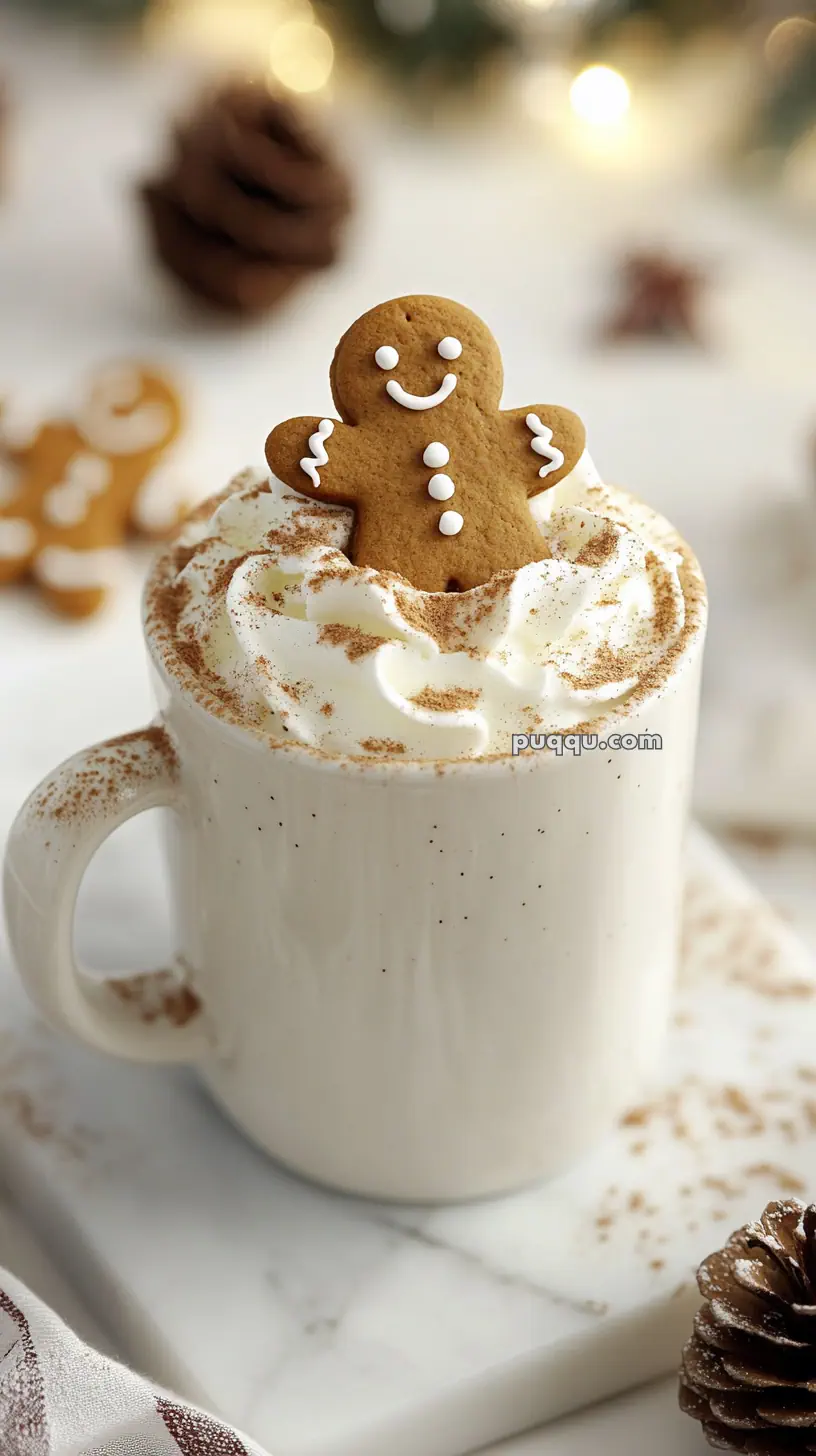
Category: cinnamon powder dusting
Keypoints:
(666, 611)
(156, 737)
(435, 614)
(226, 572)
(606, 667)
(326, 574)
(447, 700)
(108, 770)
(300, 539)
(598, 551)
(386, 746)
(355, 642)
(157, 996)
(450, 617)
(293, 690)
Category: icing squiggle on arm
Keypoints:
(541, 443)
(319, 457)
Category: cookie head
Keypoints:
(130, 410)
(415, 356)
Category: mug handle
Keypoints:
(153, 1017)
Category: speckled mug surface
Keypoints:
(415, 981)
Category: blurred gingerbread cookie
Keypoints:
(75, 487)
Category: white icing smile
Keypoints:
(421, 401)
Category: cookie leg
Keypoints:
(76, 604)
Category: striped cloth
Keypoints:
(58, 1397)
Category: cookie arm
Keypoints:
(314, 457)
(546, 440)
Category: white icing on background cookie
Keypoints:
(421, 401)
(160, 500)
(17, 539)
(143, 428)
(319, 456)
(20, 424)
(119, 386)
(541, 444)
(69, 500)
(387, 357)
(65, 569)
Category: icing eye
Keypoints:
(449, 348)
(386, 357)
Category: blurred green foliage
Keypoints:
(789, 107)
(94, 10)
(678, 17)
(436, 40)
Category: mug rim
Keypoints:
(484, 766)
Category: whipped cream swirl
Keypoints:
(354, 661)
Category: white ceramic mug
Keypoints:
(409, 980)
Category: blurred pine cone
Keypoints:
(749, 1369)
(253, 200)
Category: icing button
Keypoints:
(451, 523)
(436, 455)
(441, 487)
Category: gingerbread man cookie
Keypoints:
(439, 476)
(73, 490)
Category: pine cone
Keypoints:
(252, 202)
(749, 1369)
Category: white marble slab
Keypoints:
(319, 1323)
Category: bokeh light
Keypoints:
(600, 96)
(787, 40)
(233, 32)
(301, 55)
